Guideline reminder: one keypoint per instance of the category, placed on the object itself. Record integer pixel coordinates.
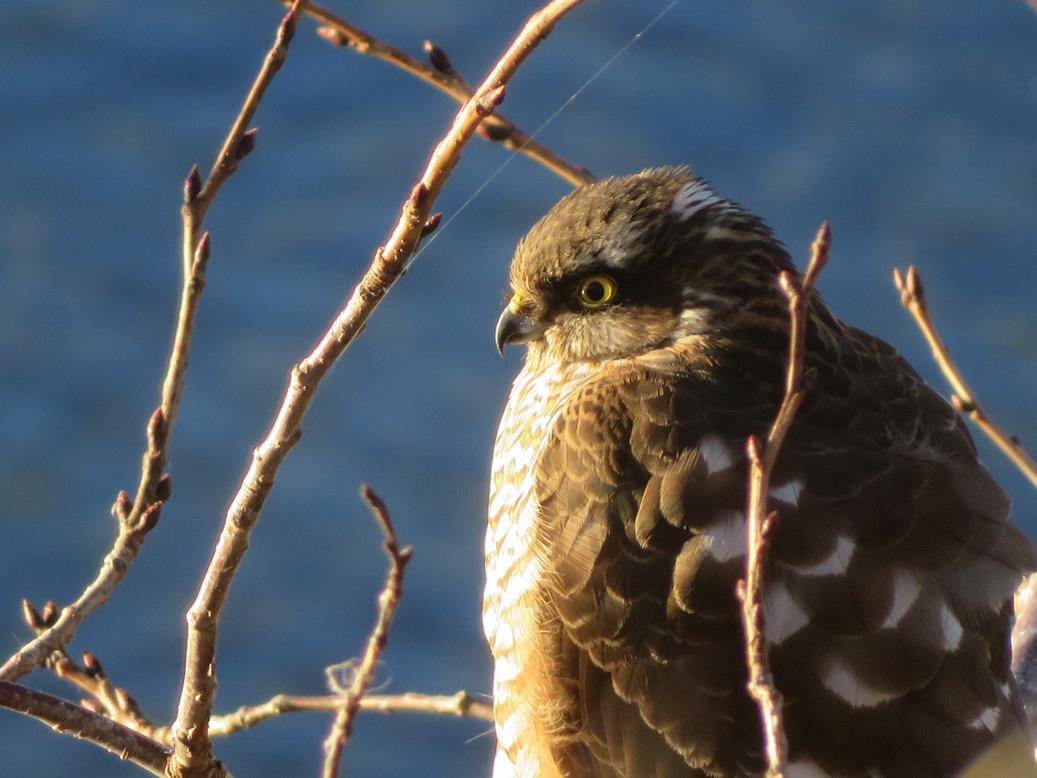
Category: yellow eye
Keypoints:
(596, 291)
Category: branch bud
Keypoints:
(438, 59)
(192, 185)
(497, 133)
(122, 506)
(150, 517)
(246, 144)
(963, 406)
(92, 665)
(332, 36)
(32, 616)
(492, 99)
(49, 614)
(431, 223)
(287, 29)
(201, 251)
(123, 699)
(164, 488)
(156, 429)
(418, 195)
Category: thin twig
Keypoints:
(69, 719)
(192, 753)
(138, 517)
(912, 297)
(388, 601)
(762, 457)
(461, 704)
(90, 678)
(443, 77)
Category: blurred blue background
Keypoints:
(911, 126)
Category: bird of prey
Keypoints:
(656, 340)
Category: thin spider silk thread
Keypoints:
(507, 161)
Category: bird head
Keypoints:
(631, 264)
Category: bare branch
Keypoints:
(461, 704)
(388, 600)
(70, 719)
(912, 297)
(192, 748)
(762, 457)
(441, 74)
(140, 516)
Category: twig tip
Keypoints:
(438, 59)
(192, 185)
(32, 616)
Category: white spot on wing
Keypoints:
(951, 628)
(987, 720)
(905, 592)
(835, 563)
(693, 198)
(727, 538)
(789, 493)
(716, 454)
(782, 615)
(844, 684)
(805, 769)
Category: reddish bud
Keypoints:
(150, 517)
(156, 429)
(962, 405)
(164, 488)
(246, 144)
(201, 251)
(418, 194)
(332, 36)
(192, 185)
(31, 616)
(498, 133)
(287, 30)
(49, 614)
(490, 101)
(92, 665)
(123, 699)
(438, 59)
(122, 506)
(431, 223)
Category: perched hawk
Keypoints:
(656, 344)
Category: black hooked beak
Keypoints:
(514, 328)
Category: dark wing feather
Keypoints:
(888, 592)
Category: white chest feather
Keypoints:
(513, 569)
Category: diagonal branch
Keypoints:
(192, 755)
(443, 77)
(762, 457)
(912, 297)
(388, 600)
(70, 719)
